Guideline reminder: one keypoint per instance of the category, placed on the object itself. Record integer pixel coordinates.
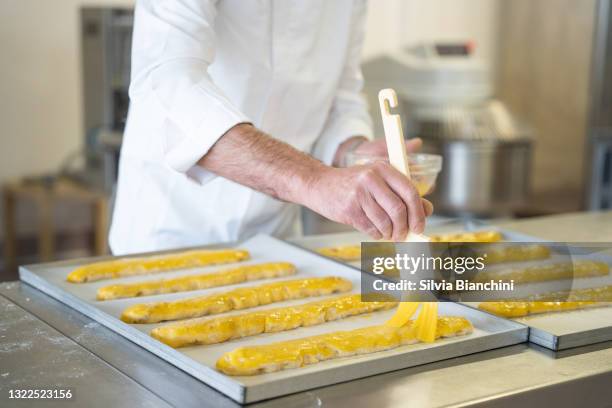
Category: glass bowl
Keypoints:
(424, 168)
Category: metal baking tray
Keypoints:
(555, 331)
(560, 331)
(563, 330)
(490, 332)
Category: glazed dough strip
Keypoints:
(241, 298)
(546, 272)
(221, 329)
(504, 253)
(576, 299)
(222, 277)
(153, 264)
(283, 355)
(476, 236)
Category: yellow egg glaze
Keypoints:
(476, 236)
(241, 298)
(278, 356)
(546, 272)
(220, 329)
(344, 252)
(195, 282)
(551, 302)
(515, 253)
(153, 264)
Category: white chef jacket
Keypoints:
(199, 67)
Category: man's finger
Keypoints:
(409, 194)
(378, 217)
(393, 206)
(362, 223)
(427, 207)
(414, 144)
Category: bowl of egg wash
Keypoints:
(424, 168)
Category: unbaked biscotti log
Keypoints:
(222, 277)
(284, 355)
(513, 253)
(221, 329)
(118, 268)
(553, 302)
(546, 272)
(241, 298)
(350, 253)
(475, 236)
(346, 253)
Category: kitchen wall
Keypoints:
(544, 69)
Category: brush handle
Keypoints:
(396, 147)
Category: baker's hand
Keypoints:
(374, 198)
(374, 148)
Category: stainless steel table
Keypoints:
(44, 344)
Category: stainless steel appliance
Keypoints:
(487, 158)
(599, 153)
(482, 178)
(106, 39)
(446, 99)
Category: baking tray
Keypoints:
(555, 331)
(490, 332)
(563, 330)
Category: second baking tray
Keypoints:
(556, 331)
(490, 332)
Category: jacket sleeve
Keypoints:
(173, 46)
(349, 114)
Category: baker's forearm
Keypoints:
(374, 198)
(252, 158)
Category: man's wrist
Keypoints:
(305, 180)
